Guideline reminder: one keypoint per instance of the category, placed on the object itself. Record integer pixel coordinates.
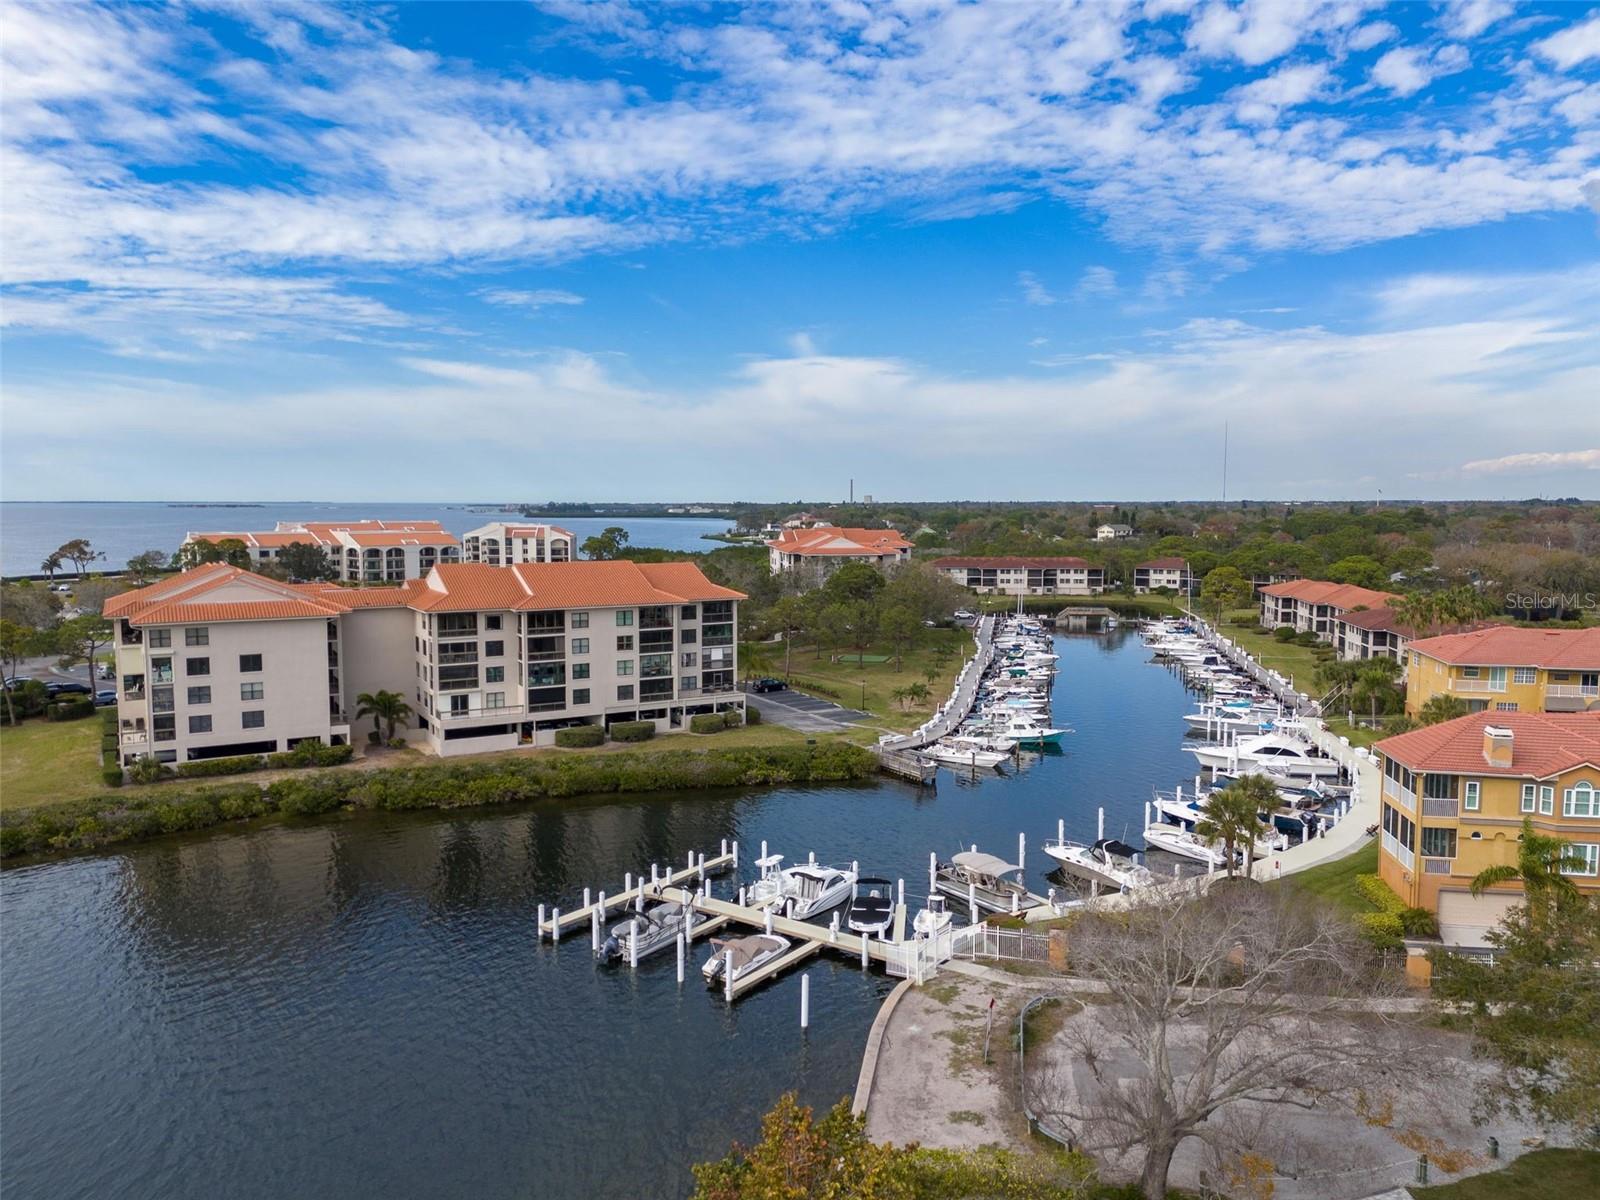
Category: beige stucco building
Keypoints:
(501, 543)
(361, 551)
(1022, 576)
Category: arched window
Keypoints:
(1581, 800)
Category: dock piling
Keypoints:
(902, 892)
(627, 881)
(972, 900)
(1101, 827)
(741, 895)
(555, 926)
(538, 926)
(633, 944)
(933, 871)
(805, 1001)
(1061, 830)
(727, 973)
(769, 922)
(586, 897)
(1022, 849)
(594, 929)
(681, 945)
(602, 903)
(863, 952)
(736, 856)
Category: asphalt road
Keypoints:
(809, 714)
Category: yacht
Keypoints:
(812, 889)
(1183, 842)
(1025, 731)
(749, 954)
(933, 919)
(656, 928)
(962, 752)
(1108, 862)
(872, 908)
(1277, 749)
(989, 881)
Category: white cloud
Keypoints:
(1469, 18)
(1261, 101)
(1033, 291)
(1403, 71)
(1373, 33)
(1573, 45)
(1097, 281)
(1546, 460)
(538, 298)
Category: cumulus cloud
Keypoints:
(1572, 46)
(1033, 291)
(1543, 460)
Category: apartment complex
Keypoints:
(1046, 576)
(362, 551)
(502, 543)
(1508, 668)
(815, 553)
(218, 661)
(1171, 573)
(1316, 605)
(1454, 798)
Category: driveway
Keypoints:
(809, 714)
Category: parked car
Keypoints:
(107, 671)
(62, 589)
(767, 684)
(68, 689)
(17, 681)
(104, 697)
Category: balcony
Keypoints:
(1437, 866)
(1434, 807)
(467, 658)
(1401, 854)
(136, 693)
(134, 737)
(1477, 685)
(507, 711)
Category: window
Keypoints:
(200, 724)
(160, 639)
(624, 617)
(1589, 852)
(494, 674)
(687, 612)
(252, 691)
(625, 691)
(494, 699)
(689, 636)
(1525, 675)
(625, 641)
(253, 718)
(580, 645)
(1469, 797)
(1469, 672)
(1527, 797)
(1439, 787)
(494, 649)
(689, 682)
(197, 666)
(547, 674)
(1547, 800)
(580, 670)
(579, 620)
(655, 666)
(200, 695)
(1505, 706)
(580, 696)
(687, 659)
(625, 666)
(249, 662)
(1438, 842)
(197, 635)
(1581, 800)
(491, 622)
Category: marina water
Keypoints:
(358, 1006)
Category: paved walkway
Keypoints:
(954, 710)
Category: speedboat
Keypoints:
(982, 879)
(1279, 750)
(656, 928)
(952, 752)
(1108, 862)
(1184, 843)
(810, 889)
(1027, 732)
(872, 908)
(935, 918)
(749, 953)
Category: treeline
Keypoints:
(124, 817)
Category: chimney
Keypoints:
(1497, 745)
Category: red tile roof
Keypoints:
(1166, 564)
(1320, 591)
(1004, 561)
(1542, 744)
(1383, 619)
(476, 587)
(835, 539)
(1517, 646)
(194, 596)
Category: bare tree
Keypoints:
(1241, 995)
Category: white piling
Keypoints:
(833, 930)
(722, 848)
(1175, 870)
(652, 875)
(555, 926)
(902, 893)
(1101, 826)
(586, 897)
(863, 952)
(1022, 849)
(763, 847)
(633, 943)
(805, 1000)
(727, 975)
(538, 926)
(736, 856)
(1197, 786)
(769, 922)
(972, 900)
(1180, 793)
(627, 881)
(741, 895)
(1013, 904)
(602, 904)
(1147, 814)
(933, 871)
(974, 847)
(638, 900)
(681, 944)
(702, 866)
(594, 929)
(1061, 830)
(811, 858)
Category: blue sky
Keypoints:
(553, 250)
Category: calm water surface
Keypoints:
(359, 1008)
(29, 531)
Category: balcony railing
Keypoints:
(1435, 807)
(133, 694)
(1573, 691)
(135, 737)
(505, 710)
(1477, 685)
(1437, 866)
(464, 658)
(1393, 848)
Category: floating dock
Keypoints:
(651, 885)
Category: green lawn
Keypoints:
(1537, 1175)
(44, 761)
(1335, 882)
(870, 685)
(1297, 663)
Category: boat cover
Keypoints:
(745, 949)
(1115, 848)
(983, 864)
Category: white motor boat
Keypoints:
(872, 907)
(953, 752)
(1279, 750)
(748, 954)
(643, 933)
(1025, 731)
(985, 880)
(811, 889)
(1108, 862)
(1183, 842)
(935, 918)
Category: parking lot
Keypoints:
(809, 714)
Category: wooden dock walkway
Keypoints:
(559, 923)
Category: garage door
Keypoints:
(1465, 918)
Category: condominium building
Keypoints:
(811, 555)
(501, 543)
(219, 661)
(1508, 668)
(1315, 605)
(1170, 573)
(1454, 798)
(368, 551)
(1060, 576)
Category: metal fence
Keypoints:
(1014, 945)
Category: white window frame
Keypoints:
(1470, 795)
(1590, 853)
(1569, 798)
(1529, 794)
(1547, 800)
(1525, 675)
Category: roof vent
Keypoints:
(1497, 745)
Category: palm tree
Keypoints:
(52, 563)
(1541, 867)
(388, 707)
(1230, 817)
(1442, 707)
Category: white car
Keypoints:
(62, 589)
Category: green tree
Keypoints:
(1230, 817)
(51, 564)
(387, 707)
(17, 642)
(791, 616)
(853, 582)
(1545, 867)
(79, 640)
(80, 554)
(608, 543)
(306, 562)
(28, 604)
(1443, 707)
(142, 568)
(200, 553)
(1225, 588)
(899, 626)
(1359, 569)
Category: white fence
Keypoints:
(1014, 945)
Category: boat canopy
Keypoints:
(984, 864)
(770, 860)
(745, 949)
(1115, 848)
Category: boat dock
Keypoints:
(697, 869)
(954, 710)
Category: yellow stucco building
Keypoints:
(1508, 668)
(1454, 798)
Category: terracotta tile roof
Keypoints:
(527, 587)
(372, 597)
(1542, 744)
(370, 525)
(835, 539)
(1004, 561)
(1165, 564)
(198, 595)
(1517, 646)
(1384, 620)
(1320, 591)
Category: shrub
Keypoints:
(203, 768)
(733, 718)
(1306, 637)
(1384, 929)
(752, 715)
(311, 753)
(633, 731)
(707, 723)
(74, 709)
(146, 769)
(112, 776)
(1376, 893)
(397, 743)
(1284, 633)
(580, 737)
(1419, 922)
(27, 700)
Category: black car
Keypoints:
(69, 689)
(767, 684)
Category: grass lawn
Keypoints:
(1537, 1175)
(869, 685)
(1296, 663)
(1335, 882)
(1359, 735)
(45, 761)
